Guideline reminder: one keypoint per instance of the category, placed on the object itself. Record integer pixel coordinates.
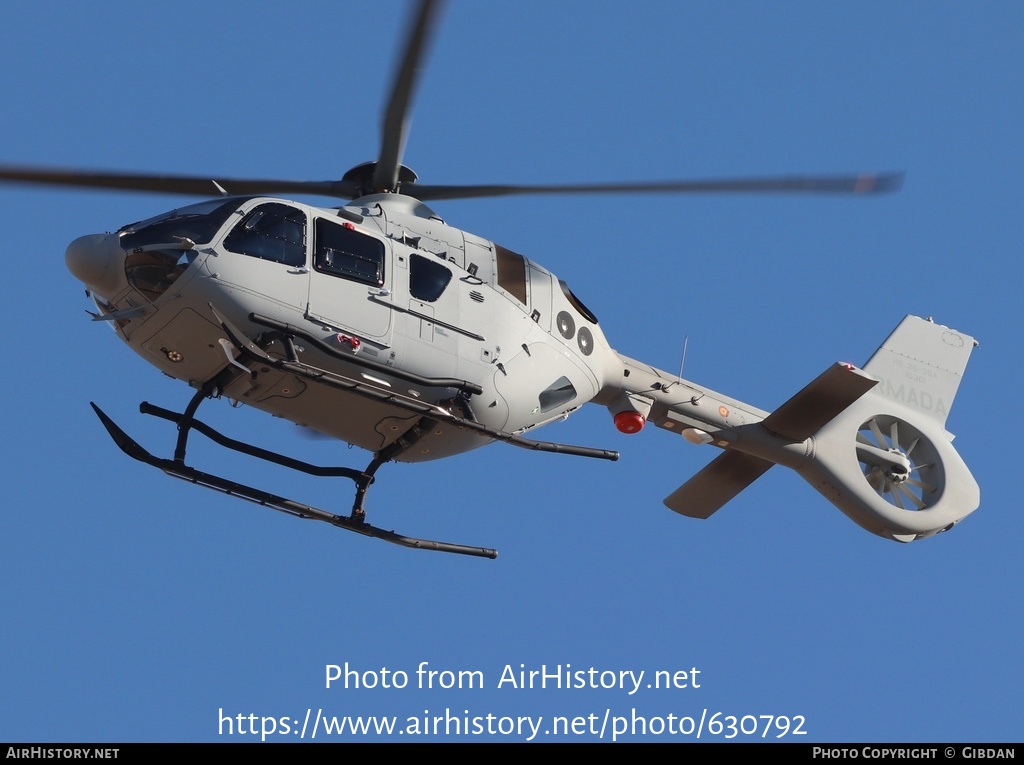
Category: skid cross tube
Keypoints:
(240, 446)
(254, 353)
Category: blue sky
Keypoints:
(138, 608)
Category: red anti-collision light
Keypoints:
(352, 342)
(629, 422)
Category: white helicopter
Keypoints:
(380, 325)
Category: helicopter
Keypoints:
(381, 325)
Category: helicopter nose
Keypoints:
(97, 260)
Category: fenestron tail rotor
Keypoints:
(899, 462)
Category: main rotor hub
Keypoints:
(363, 175)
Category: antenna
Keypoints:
(682, 361)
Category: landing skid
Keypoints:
(255, 352)
(355, 522)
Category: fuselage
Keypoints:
(384, 279)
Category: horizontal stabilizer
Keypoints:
(721, 480)
(819, 402)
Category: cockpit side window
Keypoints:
(272, 231)
(344, 252)
(427, 278)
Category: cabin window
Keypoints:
(427, 278)
(344, 252)
(560, 392)
(271, 232)
(511, 272)
(576, 303)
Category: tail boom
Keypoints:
(872, 441)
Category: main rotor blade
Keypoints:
(172, 184)
(396, 117)
(865, 183)
(207, 186)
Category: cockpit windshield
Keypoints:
(157, 253)
(198, 222)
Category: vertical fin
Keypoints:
(920, 365)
